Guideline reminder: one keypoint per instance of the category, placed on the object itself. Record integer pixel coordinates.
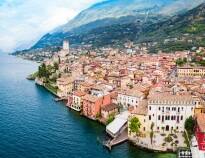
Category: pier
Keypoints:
(122, 137)
(60, 99)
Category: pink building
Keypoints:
(200, 131)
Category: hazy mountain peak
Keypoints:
(120, 8)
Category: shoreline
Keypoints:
(101, 123)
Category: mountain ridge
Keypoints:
(91, 31)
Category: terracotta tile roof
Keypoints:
(91, 98)
(65, 80)
(110, 107)
(132, 92)
(86, 84)
(79, 93)
(170, 97)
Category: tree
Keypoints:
(189, 125)
(181, 61)
(110, 118)
(151, 136)
(152, 132)
(152, 126)
(168, 139)
(134, 125)
(163, 129)
(42, 70)
(56, 66)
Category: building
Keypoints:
(101, 90)
(92, 105)
(66, 45)
(118, 125)
(191, 71)
(77, 82)
(129, 97)
(200, 107)
(65, 86)
(77, 101)
(84, 86)
(63, 54)
(200, 131)
(140, 112)
(108, 110)
(169, 112)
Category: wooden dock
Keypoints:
(117, 140)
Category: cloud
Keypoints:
(22, 22)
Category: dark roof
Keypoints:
(109, 107)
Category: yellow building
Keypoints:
(141, 113)
(189, 71)
(200, 107)
(65, 86)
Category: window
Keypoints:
(177, 119)
(181, 117)
(159, 108)
(150, 108)
(144, 128)
(159, 117)
(150, 117)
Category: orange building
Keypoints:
(92, 105)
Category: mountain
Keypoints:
(121, 8)
(183, 31)
(115, 20)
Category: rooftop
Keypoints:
(109, 107)
(91, 98)
(79, 93)
(132, 92)
(170, 97)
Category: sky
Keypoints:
(23, 22)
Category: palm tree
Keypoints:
(163, 129)
(152, 132)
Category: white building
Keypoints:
(101, 90)
(129, 97)
(169, 112)
(77, 101)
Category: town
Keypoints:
(156, 101)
